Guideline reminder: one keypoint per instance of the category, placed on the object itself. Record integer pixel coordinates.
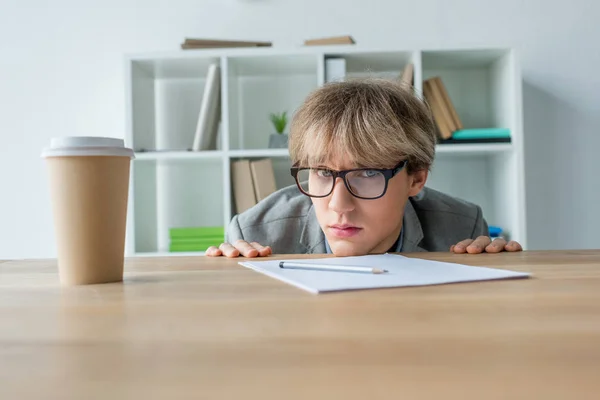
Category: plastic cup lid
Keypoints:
(87, 146)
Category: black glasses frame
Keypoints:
(388, 174)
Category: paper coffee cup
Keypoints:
(89, 187)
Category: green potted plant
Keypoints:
(280, 139)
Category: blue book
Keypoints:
(486, 133)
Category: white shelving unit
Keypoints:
(175, 187)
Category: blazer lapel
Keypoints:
(312, 239)
(413, 232)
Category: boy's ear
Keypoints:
(417, 180)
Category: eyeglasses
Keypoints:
(364, 183)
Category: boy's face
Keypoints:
(356, 226)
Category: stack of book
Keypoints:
(449, 124)
(444, 113)
(483, 135)
(195, 238)
(332, 40)
(192, 43)
(252, 181)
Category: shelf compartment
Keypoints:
(481, 85)
(174, 194)
(165, 106)
(258, 86)
(387, 65)
(488, 180)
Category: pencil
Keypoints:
(335, 268)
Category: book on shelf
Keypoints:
(474, 141)
(483, 133)
(444, 130)
(408, 74)
(347, 39)
(478, 136)
(252, 181)
(200, 245)
(193, 232)
(198, 43)
(442, 107)
(195, 238)
(441, 88)
(209, 117)
(263, 178)
(243, 187)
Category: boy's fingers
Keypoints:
(461, 247)
(212, 251)
(514, 246)
(496, 246)
(245, 249)
(228, 250)
(263, 251)
(478, 245)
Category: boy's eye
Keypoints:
(369, 173)
(324, 173)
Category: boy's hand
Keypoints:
(240, 247)
(485, 244)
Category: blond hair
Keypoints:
(371, 122)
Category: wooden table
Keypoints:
(208, 328)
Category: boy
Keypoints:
(361, 152)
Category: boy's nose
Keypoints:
(340, 199)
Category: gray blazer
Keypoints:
(287, 222)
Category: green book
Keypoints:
(487, 133)
(174, 248)
(194, 245)
(212, 239)
(199, 232)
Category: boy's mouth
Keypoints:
(344, 230)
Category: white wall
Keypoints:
(61, 72)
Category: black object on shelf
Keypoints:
(473, 141)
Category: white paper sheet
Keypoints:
(403, 271)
